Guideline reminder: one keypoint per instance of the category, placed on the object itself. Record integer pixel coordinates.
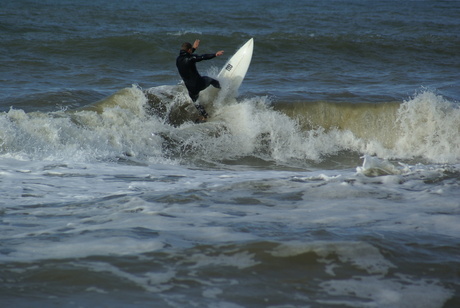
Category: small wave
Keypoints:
(184, 32)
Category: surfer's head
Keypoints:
(186, 47)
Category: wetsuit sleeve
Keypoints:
(198, 58)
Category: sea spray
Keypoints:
(426, 126)
(429, 128)
(112, 127)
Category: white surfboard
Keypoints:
(231, 75)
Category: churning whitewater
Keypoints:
(158, 127)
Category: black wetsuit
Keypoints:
(194, 82)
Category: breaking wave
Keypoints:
(156, 125)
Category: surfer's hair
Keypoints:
(186, 46)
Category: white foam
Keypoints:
(119, 127)
(430, 128)
(81, 247)
(150, 281)
(375, 291)
(239, 260)
(373, 166)
(212, 292)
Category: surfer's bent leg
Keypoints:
(211, 81)
(215, 84)
(194, 93)
(201, 110)
(194, 96)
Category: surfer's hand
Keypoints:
(219, 53)
(196, 43)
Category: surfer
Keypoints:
(195, 83)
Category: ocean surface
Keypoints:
(332, 179)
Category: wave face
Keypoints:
(425, 126)
(157, 125)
